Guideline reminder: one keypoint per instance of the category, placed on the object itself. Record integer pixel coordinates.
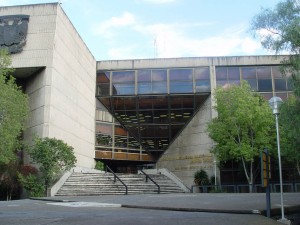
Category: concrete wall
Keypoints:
(62, 95)
(191, 149)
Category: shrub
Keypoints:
(201, 178)
(99, 166)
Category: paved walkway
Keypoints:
(166, 209)
(196, 202)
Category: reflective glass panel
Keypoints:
(159, 87)
(233, 73)
(248, 73)
(181, 74)
(144, 88)
(280, 84)
(159, 75)
(144, 76)
(276, 72)
(265, 85)
(203, 86)
(202, 73)
(103, 77)
(124, 89)
(263, 72)
(221, 73)
(123, 76)
(181, 87)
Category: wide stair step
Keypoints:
(89, 184)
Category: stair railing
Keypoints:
(116, 177)
(148, 177)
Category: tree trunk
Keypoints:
(248, 176)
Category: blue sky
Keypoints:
(135, 29)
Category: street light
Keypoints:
(274, 103)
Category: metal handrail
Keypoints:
(148, 177)
(116, 177)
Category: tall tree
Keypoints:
(14, 109)
(279, 31)
(290, 129)
(242, 128)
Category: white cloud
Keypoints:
(105, 28)
(173, 40)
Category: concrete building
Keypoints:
(150, 111)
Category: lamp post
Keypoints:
(274, 103)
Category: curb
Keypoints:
(195, 209)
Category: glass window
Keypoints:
(276, 72)
(248, 73)
(103, 77)
(181, 87)
(202, 73)
(280, 84)
(233, 73)
(144, 76)
(265, 85)
(124, 89)
(181, 74)
(253, 84)
(221, 73)
(263, 72)
(102, 89)
(123, 77)
(103, 140)
(144, 88)
(203, 86)
(159, 87)
(159, 75)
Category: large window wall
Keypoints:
(154, 81)
(264, 79)
(113, 141)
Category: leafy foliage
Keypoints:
(243, 126)
(13, 111)
(289, 120)
(31, 181)
(279, 31)
(201, 178)
(99, 166)
(54, 157)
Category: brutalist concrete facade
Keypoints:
(60, 79)
(60, 76)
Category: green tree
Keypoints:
(289, 120)
(53, 156)
(14, 110)
(278, 29)
(242, 128)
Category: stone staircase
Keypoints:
(89, 184)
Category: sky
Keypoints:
(139, 29)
